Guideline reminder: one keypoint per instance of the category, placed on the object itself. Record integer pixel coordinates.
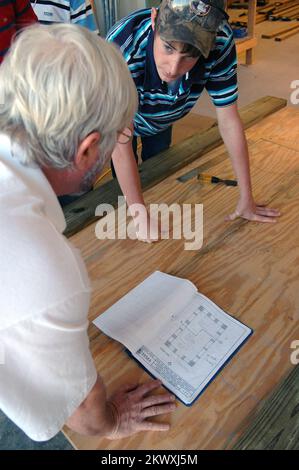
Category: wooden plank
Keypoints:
(82, 212)
(287, 6)
(276, 425)
(191, 124)
(274, 6)
(266, 8)
(245, 44)
(283, 132)
(260, 19)
(265, 12)
(251, 32)
(287, 35)
(285, 12)
(250, 270)
(287, 17)
(278, 33)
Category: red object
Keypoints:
(14, 15)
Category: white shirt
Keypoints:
(46, 369)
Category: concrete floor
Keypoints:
(276, 66)
(12, 438)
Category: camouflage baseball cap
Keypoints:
(191, 22)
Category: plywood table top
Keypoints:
(250, 270)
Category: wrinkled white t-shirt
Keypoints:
(46, 368)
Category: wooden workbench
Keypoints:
(250, 270)
(250, 41)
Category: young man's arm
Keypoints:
(124, 414)
(128, 177)
(127, 173)
(232, 132)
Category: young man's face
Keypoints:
(171, 63)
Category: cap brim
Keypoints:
(202, 40)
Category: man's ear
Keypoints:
(88, 151)
(154, 15)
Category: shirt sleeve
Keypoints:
(222, 83)
(82, 14)
(128, 32)
(48, 369)
(24, 13)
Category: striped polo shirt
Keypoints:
(161, 105)
(14, 15)
(77, 12)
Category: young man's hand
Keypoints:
(149, 232)
(147, 228)
(254, 212)
(134, 405)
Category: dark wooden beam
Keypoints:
(276, 425)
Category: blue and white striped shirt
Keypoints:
(65, 11)
(159, 105)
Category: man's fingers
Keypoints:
(154, 400)
(262, 214)
(268, 212)
(157, 410)
(150, 426)
(130, 387)
(147, 388)
(146, 238)
(264, 219)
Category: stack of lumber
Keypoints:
(283, 33)
(274, 11)
(286, 11)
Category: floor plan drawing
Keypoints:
(195, 336)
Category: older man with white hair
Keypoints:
(66, 98)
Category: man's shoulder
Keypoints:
(40, 267)
(224, 47)
(224, 37)
(131, 27)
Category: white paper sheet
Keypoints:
(177, 334)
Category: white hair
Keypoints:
(58, 84)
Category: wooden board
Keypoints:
(283, 132)
(190, 125)
(250, 270)
(282, 37)
(276, 425)
(246, 44)
(280, 32)
(249, 43)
